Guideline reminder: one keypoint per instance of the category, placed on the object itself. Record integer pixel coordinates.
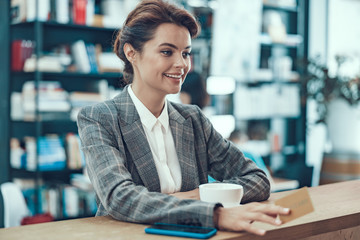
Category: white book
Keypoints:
(81, 57)
(30, 10)
(30, 145)
(90, 12)
(43, 10)
(53, 202)
(71, 202)
(62, 11)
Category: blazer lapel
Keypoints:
(136, 141)
(183, 135)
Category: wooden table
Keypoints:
(336, 216)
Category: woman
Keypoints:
(146, 156)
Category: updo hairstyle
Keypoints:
(141, 24)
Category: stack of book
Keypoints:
(81, 99)
(61, 201)
(75, 157)
(21, 50)
(51, 155)
(51, 98)
(266, 101)
(85, 57)
(90, 58)
(62, 11)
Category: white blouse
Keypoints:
(162, 145)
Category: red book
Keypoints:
(39, 218)
(17, 60)
(79, 11)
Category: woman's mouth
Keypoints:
(175, 76)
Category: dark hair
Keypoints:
(235, 135)
(142, 23)
(194, 85)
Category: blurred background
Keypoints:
(278, 78)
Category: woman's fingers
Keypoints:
(262, 217)
(240, 218)
(245, 226)
(274, 209)
(268, 209)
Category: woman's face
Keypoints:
(164, 62)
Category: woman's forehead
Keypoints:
(170, 33)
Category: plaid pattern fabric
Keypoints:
(123, 173)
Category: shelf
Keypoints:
(72, 81)
(291, 41)
(280, 8)
(269, 118)
(54, 34)
(48, 118)
(47, 175)
(21, 128)
(61, 25)
(259, 83)
(70, 75)
(78, 27)
(22, 173)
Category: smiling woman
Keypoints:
(142, 23)
(162, 65)
(147, 156)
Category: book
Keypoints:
(79, 11)
(80, 55)
(51, 153)
(18, 11)
(90, 12)
(91, 52)
(62, 11)
(21, 50)
(70, 201)
(37, 10)
(51, 97)
(75, 157)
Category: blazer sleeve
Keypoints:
(117, 194)
(226, 163)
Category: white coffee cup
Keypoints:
(228, 194)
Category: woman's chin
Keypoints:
(174, 89)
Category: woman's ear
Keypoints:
(129, 52)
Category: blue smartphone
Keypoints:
(181, 230)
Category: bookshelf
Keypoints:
(50, 125)
(286, 130)
(266, 100)
(48, 35)
(45, 38)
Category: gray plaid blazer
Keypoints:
(123, 173)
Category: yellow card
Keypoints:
(299, 202)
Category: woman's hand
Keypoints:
(240, 218)
(193, 194)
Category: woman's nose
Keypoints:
(181, 61)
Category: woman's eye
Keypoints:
(166, 53)
(186, 54)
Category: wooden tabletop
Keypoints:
(337, 206)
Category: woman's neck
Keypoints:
(152, 101)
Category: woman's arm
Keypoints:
(193, 194)
(226, 163)
(119, 196)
